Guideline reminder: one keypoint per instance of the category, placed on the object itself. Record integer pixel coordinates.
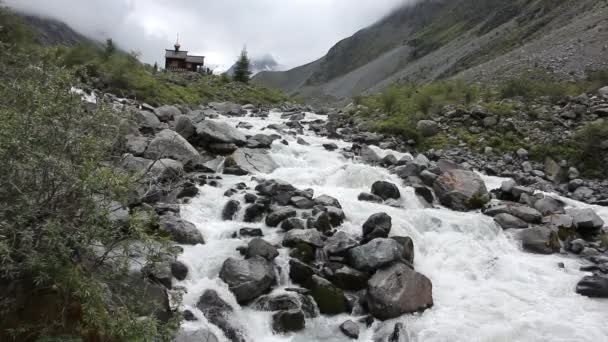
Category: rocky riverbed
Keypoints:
(291, 234)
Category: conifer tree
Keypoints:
(242, 70)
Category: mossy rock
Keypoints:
(566, 234)
(329, 298)
(303, 252)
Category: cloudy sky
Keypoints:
(294, 31)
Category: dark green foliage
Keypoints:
(537, 85)
(242, 69)
(60, 249)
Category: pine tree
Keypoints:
(155, 67)
(110, 48)
(242, 70)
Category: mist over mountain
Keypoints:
(475, 40)
(259, 64)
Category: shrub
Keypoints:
(60, 249)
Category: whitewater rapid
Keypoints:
(485, 287)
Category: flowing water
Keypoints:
(484, 287)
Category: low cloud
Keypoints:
(294, 31)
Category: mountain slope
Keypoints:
(48, 31)
(478, 40)
(259, 64)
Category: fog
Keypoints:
(294, 32)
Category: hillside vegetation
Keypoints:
(398, 108)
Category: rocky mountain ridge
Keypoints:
(476, 40)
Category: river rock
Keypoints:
(508, 221)
(169, 144)
(252, 161)
(228, 108)
(231, 208)
(262, 248)
(397, 290)
(247, 279)
(184, 126)
(367, 197)
(339, 243)
(311, 237)
(385, 190)
(408, 247)
(218, 312)
(293, 223)
(375, 254)
(260, 141)
(277, 216)
(345, 277)
(540, 240)
(181, 231)
(327, 201)
(586, 219)
(148, 122)
(520, 211)
(300, 273)
(167, 113)
(350, 329)
(302, 202)
(595, 286)
(549, 206)
(427, 128)
(329, 298)
(179, 270)
(288, 321)
(214, 131)
(377, 225)
(461, 190)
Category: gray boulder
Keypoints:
(350, 329)
(248, 279)
(136, 145)
(167, 113)
(169, 144)
(262, 248)
(375, 254)
(339, 243)
(461, 190)
(397, 290)
(385, 190)
(184, 126)
(586, 219)
(329, 298)
(228, 108)
(540, 240)
(518, 210)
(219, 313)
(508, 221)
(214, 131)
(311, 237)
(230, 209)
(377, 225)
(367, 197)
(147, 121)
(252, 161)
(277, 216)
(595, 286)
(327, 201)
(288, 321)
(427, 128)
(181, 231)
(549, 206)
(260, 141)
(202, 335)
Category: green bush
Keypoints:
(60, 250)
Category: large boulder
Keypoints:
(248, 279)
(518, 210)
(262, 248)
(228, 108)
(252, 161)
(260, 141)
(586, 220)
(549, 206)
(377, 226)
(508, 221)
(375, 254)
(427, 128)
(386, 190)
(595, 286)
(184, 126)
(339, 243)
(397, 290)
(540, 240)
(327, 201)
(310, 237)
(279, 215)
(329, 298)
(288, 321)
(147, 121)
(345, 277)
(230, 209)
(167, 113)
(181, 231)
(350, 329)
(214, 131)
(169, 144)
(461, 190)
(219, 313)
